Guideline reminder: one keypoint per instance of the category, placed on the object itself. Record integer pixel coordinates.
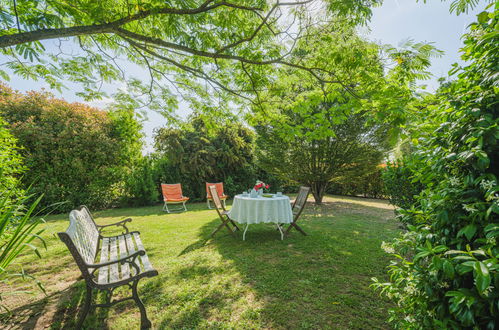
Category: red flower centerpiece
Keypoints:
(260, 185)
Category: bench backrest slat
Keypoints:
(83, 234)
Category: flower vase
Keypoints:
(253, 193)
(260, 192)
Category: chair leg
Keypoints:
(86, 308)
(234, 224)
(208, 203)
(293, 224)
(185, 208)
(224, 204)
(165, 208)
(144, 321)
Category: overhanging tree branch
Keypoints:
(45, 34)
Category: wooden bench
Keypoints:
(107, 262)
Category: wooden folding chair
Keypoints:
(297, 209)
(222, 213)
(172, 194)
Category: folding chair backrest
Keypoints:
(171, 191)
(300, 201)
(218, 185)
(216, 200)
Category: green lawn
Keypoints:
(318, 281)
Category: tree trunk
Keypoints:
(318, 189)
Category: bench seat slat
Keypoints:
(113, 268)
(104, 257)
(125, 270)
(145, 260)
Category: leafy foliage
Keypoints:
(352, 149)
(447, 275)
(313, 133)
(74, 153)
(360, 182)
(200, 151)
(140, 185)
(11, 162)
(18, 231)
(399, 184)
(202, 49)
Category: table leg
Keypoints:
(280, 229)
(244, 234)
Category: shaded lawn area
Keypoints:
(318, 281)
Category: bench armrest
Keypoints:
(121, 223)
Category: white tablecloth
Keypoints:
(262, 209)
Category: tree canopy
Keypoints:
(310, 132)
(203, 50)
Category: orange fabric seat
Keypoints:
(176, 199)
(172, 194)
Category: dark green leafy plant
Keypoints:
(363, 182)
(446, 271)
(18, 231)
(399, 184)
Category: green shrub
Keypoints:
(141, 188)
(399, 185)
(362, 183)
(197, 151)
(11, 162)
(445, 275)
(73, 152)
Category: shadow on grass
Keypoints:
(62, 308)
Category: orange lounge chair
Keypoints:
(172, 194)
(220, 191)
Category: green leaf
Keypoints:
(482, 276)
(448, 269)
(468, 231)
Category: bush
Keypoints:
(73, 152)
(445, 275)
(141, 188)
(399, 185)
(19, 229)
(11, 162)
(367, 184)
(196, 152)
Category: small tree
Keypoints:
(312, 133)
(353, 146)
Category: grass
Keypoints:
(316, 281)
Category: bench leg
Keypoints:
(86, 308)
(144, 321)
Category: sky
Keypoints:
(392, 23)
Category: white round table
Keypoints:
(249, 210)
